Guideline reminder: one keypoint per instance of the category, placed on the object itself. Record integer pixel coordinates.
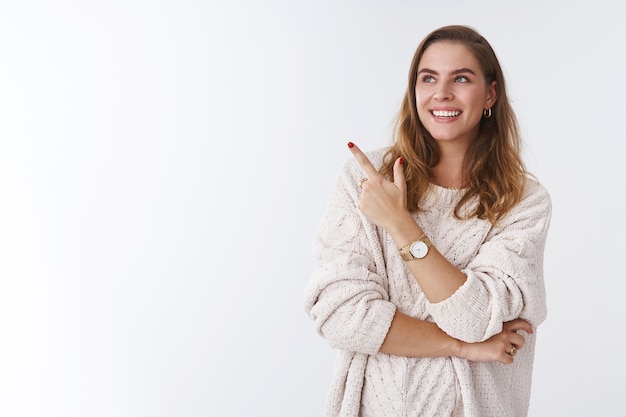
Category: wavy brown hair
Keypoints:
(493, 165)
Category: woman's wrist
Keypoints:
(405, 231)
(460, 349)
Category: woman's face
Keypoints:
(451, 93)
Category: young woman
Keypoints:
(429, 259)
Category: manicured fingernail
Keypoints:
(402, 160)
(350, 145)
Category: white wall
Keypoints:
(164, 164)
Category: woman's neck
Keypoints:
(449, 172)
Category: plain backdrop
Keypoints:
(164, 165)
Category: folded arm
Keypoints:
(503, 282)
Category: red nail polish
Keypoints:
(402, 160)
(350, 145)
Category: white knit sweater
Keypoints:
(359, 280)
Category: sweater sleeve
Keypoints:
(347, 297)
(505, 278)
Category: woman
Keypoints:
(429, 259)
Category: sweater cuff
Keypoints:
(465, 315)
(376, 331)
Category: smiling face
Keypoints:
(451, 93)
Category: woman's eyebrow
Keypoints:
(464, 70)
(427, 71)
(459, 71)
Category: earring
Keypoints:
(487, 113)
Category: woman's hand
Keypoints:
(383, 202)
(500, 347)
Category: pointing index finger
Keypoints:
(362, 159)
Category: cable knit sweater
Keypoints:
(359, 280)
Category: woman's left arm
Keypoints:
(503, 282)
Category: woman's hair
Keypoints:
(493, 165)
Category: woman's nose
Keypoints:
(443, 92)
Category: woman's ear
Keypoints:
(492, 95)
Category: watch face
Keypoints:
(419, 249)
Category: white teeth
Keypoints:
(446, 113)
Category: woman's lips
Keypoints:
(445, 113)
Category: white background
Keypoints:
(164, 165)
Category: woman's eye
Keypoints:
(428, 79)
(461, 79)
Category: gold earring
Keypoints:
(487, 113)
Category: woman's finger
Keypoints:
(362, 159)
(518, 340)
(518, 324)
(398, 174)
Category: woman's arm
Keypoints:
(412, 337)
(384, 203)
(503, 282)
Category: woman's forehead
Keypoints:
(448, 57)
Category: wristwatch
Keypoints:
(416, 250)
